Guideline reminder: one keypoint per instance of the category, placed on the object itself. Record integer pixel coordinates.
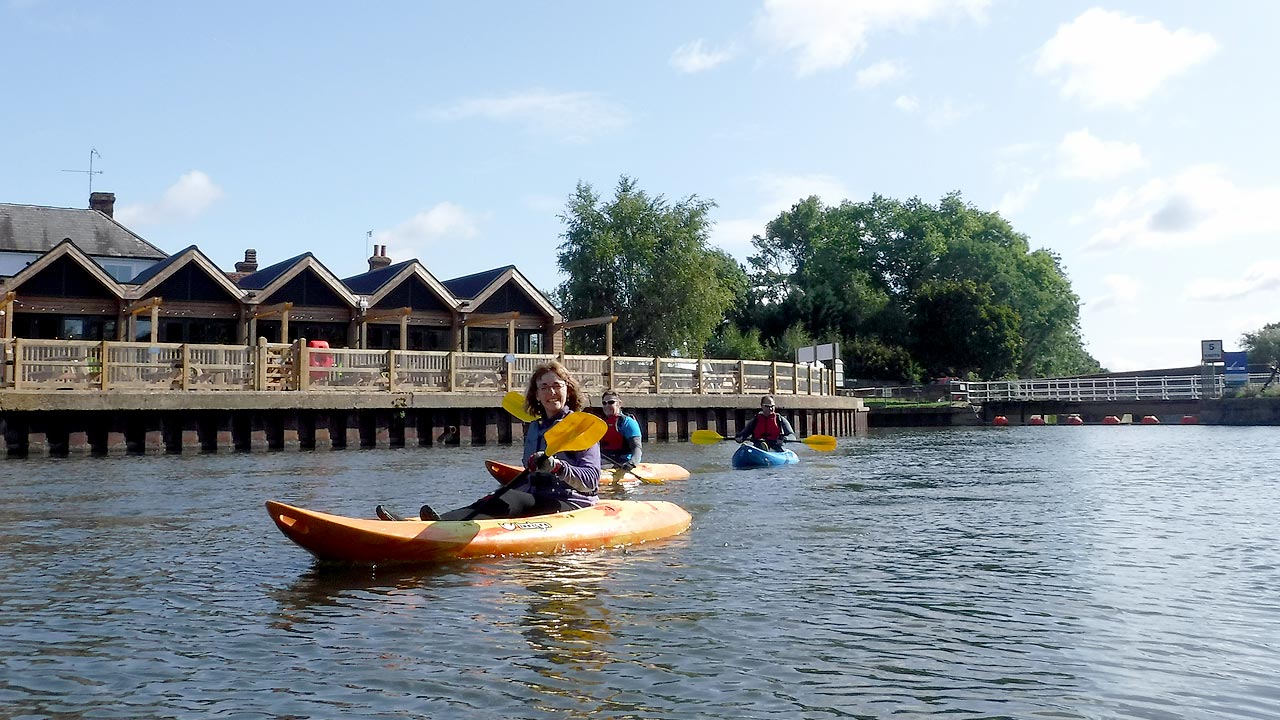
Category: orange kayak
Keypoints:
(644, 472)
(610, 523)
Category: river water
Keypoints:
(1022, 572)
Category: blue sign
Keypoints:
(1235, 367)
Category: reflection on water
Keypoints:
(1019, 572)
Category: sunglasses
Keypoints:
(767, 407)
(610, 402)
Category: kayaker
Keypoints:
(621, 442)
(768, 430)
(564, 481)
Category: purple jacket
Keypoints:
(582, 482)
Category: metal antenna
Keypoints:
(367, 237)
(90, 172)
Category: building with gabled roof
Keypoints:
(406, 307)
(501, 309)
(29, 231)
(300, 297)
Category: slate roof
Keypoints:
(468, 287)
(267, 275)
(159, 267)
(36, 228)
(368, 283)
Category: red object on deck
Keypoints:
(1150, 420)
(1073, 420)
(999, 420)
(1036, 420)
(319, 359)
(1111, 420)
(1189, 420)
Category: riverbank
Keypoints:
(1255, 411)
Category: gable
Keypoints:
(510, 298)
(307, 289)
(65, 277)
(190, 282)
(415, 294)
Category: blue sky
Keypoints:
(1133, 139)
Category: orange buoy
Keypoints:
(1190, 420)
(999, 420)
(1111, 420)
(1150, 420)
(1073, 420)
(1036, 420)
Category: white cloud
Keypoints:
(1262, 276)
(692, 58)
(1198, 206)
(427, 230)
(1012, 202)
(879, 73)
(907, 103)
(572, 116)
(776, 193)
(828, 34)
(1105, 58)
(186, 199)
(1120, 290)
(1081, 155)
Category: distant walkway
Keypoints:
(1107, 389)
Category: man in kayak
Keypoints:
(567, 480)
(621, 442)
(768, 430)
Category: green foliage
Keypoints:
(916, 288)
(731, 342)
(1263, 345)
(649, 263)
(957, 328)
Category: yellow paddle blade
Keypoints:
(705, 437)
(825, 443)
(578, 431)
(513, 402)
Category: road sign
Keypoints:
(1210, 351)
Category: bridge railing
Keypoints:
(1174, 387)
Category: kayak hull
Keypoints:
(609, 523)
(749, 456)
(649, 472)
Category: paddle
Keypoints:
(642, 478)
(513, 402)
(576, 432)
(825, 443)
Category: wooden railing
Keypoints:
(106, 366)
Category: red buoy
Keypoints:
(1150, 420)
(1000, 420)
(1111, 420)
(1036, 420)
(1073, 420)
(1190, 420)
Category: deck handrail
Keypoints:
(105, 366)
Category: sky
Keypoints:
(1135, 140)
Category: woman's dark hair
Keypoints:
(573, 391)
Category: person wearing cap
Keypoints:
(621, 442)
(768, 430)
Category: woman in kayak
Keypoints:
(567, 480)
(768, 430)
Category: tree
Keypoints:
(1263, 345)
(890, 273)
(650, 264)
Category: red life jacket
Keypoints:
(766, 428)
(613, 440)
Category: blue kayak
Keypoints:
(749, 456)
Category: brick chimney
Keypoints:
(250, 263)
(379, 259)
(103, 202)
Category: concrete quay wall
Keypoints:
(108, 423)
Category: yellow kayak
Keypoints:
(644, 472)
(609, 523)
